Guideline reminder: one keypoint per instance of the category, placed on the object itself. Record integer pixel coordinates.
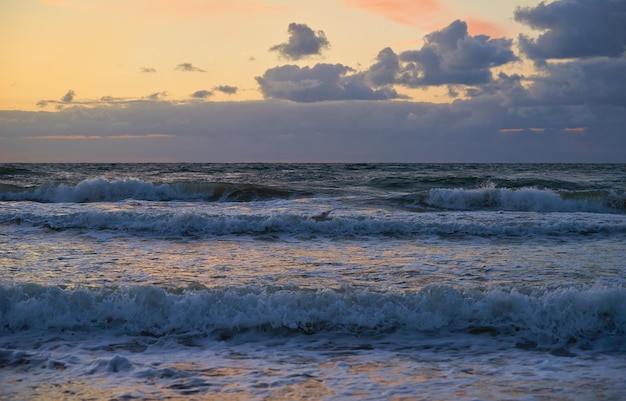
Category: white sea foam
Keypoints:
(523, 199)
(212, 281)
(557, 317)
(178, 219)
(100, 189)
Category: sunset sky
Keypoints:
(313, 81)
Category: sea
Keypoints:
(231, 282)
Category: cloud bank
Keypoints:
(481, 129)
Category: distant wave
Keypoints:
(103, 190)
(8, 170)
(537, 317)
(196, 222)
(490, 197)
(524, 199)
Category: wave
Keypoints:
(523, 199)
(489, 197)
(101, 189)
(535, 317)
(197, 222)
(9, 170)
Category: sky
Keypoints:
(313, 81)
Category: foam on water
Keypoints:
(558, 317)
(488, 197)
(181, 219)
(167, 281)
(524, 199)
(100, 189)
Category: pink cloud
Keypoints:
(425, 14)
(510, 130)
(476, 26)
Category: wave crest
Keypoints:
(101, 189)
(527, 199)
(178, 221)
(547, 317)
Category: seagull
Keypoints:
(323, 216)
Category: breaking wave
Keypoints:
(524, 199)
(197, 222)
(485, 198)
(103, 190)
(534, 317)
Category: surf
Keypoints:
(547, 317)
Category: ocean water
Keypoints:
(212, 281)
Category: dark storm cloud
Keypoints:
(202, 94)
(227, 89)
(451, 56)
(574, 28)
(188, 67)
(303, 42)
(68, 97)
(321, 82)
